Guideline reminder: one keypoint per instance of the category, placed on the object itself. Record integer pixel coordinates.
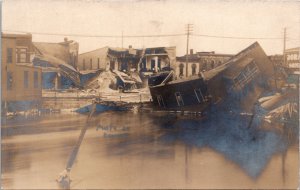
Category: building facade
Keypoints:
(127, 59)
(199, 62)
(98, 59)
(292, 59)
(21, 87)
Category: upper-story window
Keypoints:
(98, 63)
(91, 64)
(22, 55)
(9, 57)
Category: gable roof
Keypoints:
(241, 59)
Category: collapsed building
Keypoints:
(238, 82)
(130, 66)
(58, 62)
(243, 78)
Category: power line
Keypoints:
(233, 37)
(145, 36)
(98, 36)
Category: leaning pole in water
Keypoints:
(63, 179)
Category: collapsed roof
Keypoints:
(55, 57)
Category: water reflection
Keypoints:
(158, 151)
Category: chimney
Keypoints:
(130, 47)
(191, 51)
(65, 39)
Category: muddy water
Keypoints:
(127, 150)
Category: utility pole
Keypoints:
(284, 43)
(189, 30)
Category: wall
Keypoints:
(18, 92)
(202, 62)
(100, 54)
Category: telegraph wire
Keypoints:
(98, 36)
(233, 37)
(146, 36)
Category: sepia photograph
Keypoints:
(150, 94)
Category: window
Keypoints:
(246, 75)
(9, 55)
(9, 82)
(194, 69)
(22, 55)
(26, 82)
(181, 66)
(36, 79)
(159, 64)
(98, 63)
(179, 99)
(199, 95)
(91, 64)
(152, 64)
(83, 64)
(160, 101)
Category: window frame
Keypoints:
(178, 94)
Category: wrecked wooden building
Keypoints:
(238, 82)
(243, 78)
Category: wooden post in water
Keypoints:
(63, 179)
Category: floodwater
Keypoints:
(145, 150)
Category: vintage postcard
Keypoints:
(158, 94)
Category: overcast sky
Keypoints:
(263, 19)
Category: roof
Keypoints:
(54, 61)
(237, 60)
(55, 49)
(105, 49)
(16, 35)
(232, 72)
(198, 56)
(292, 50)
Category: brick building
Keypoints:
(198, 62)
(21, 81)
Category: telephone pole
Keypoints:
(284, 43)
(189, 30)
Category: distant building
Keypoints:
(198, 62)
(106, 58)
(58, 62)
(292, 59)
(277, 60)
(21, 87)
(157, 58)
(127, 59)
